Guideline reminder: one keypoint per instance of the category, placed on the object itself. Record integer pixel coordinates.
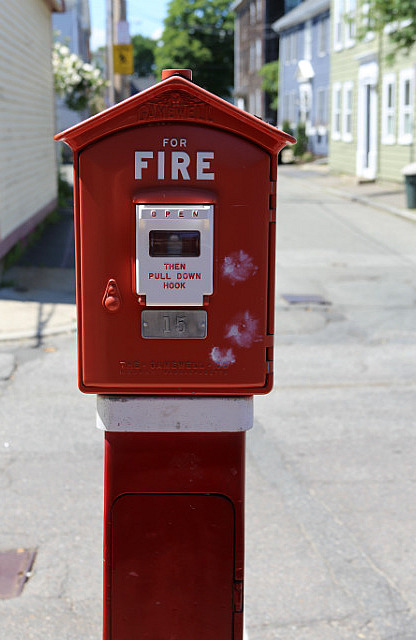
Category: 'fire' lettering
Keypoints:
(176, 165)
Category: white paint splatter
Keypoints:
(238, 267)
(222, 357)
(244, 331)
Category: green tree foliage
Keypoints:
(301, 145)
(144, 55)
(270, 74)
(199, 35)
(401, 14)
(287, 128)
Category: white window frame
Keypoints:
(347, 111)
(338, 24)
(406, 76)
(394, 26)
(365, 8)
(322, 37)
(336, 111)
(259, 52)
(388, 113)
(350, 26)
(307, 54)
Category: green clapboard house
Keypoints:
(373, 131)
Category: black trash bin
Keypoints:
(409, 173)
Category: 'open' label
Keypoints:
(174, 253)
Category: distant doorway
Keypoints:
(367, 148)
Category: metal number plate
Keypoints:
(174, 324)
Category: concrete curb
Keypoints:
(403, 213)
(321, 172)
(32, 335)
(35, 319)
(40, 303)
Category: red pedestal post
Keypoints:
(174, 536)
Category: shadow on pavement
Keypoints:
(45, 272)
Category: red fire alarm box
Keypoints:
(175, 203)
(175, 199)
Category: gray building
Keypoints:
(304, 41)
(255, 44)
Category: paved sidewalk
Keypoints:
(37, 302)
(38, 295)
(37, 298)
(386, 196)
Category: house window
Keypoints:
(291, 110)
(321, 110)
(244, 65)
(252, 103)
(285, 114)
(252, 60)
(366, 22)
(253, 12)
(305, 103)
(338, 24)
(323, 36)
(294, 47)
(350, 7)
(389, 109)
(286, 49)
(259, 10)
(308, 40)
(258, 110)
(258, 54)
(336, 111)
(406, 106)
(347, 111)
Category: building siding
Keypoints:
(305, 99)
(28, 168)
(255, 44)
(394, 157)
(346, 66)
(344, 69)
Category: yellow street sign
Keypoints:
(123, 58)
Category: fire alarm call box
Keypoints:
(175, 198)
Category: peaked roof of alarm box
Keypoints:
(175, 99)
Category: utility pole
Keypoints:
(110, 42)
(118, 84)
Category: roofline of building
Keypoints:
(301, 13)
(236, 4)
(56, 6)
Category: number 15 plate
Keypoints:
(174, 324)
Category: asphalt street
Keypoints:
(330, 505)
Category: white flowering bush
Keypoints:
(79, 83)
